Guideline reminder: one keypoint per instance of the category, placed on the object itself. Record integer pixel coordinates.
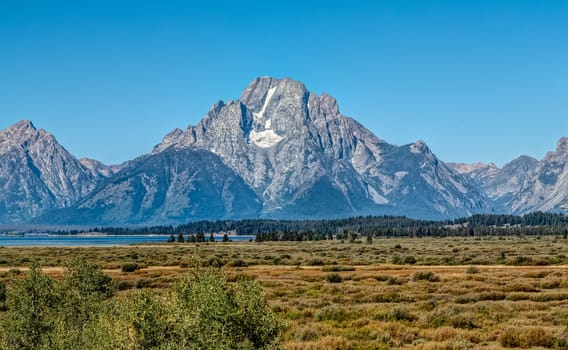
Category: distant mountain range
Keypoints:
(280, 151)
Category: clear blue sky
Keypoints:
(477, 80)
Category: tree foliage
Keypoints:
(81, 311)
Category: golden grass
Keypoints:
(437, 302)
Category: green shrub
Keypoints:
(425, 276)
(142, 283)
(391, 281)
(409, 260)
(203, 311)
(472, 270)
(124, 285)
(316, 262)
(522, 260)
(225, 316)
(237, 263)
(214, 261)
(129, 267)
(334, 278)
(32, 307)
(88, 281)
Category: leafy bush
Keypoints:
(142, 283)
(129, 267)
(522, 260)
(32, 305)
(203, 311)
(124, 285)
(214, 261)
(409, 260)
(425, 276)
(316, 262)
(223, 316)
(237, 263)
(334, 278)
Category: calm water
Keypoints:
(46, 240)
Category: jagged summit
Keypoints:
(23, 124)
(562, 145)
(19, 131)
(293, 147)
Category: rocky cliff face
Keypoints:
(304, 158)
(38, 174)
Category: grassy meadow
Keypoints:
(411, 293)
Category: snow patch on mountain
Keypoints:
(265, 139)
(269, 95)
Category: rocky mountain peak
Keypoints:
(38, 174)
(420, 147)
(23, 125)
(24, 136)
(261, 90)
(562, 145)
(525, 162)
(293, 148)
(18, 132)
(329, 104)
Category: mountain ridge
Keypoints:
(290, 154)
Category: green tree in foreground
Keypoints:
(203, 311)
(226, 316)
(32, 306)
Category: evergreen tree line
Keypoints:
(537, 223)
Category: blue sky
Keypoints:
(477, 80)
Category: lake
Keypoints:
(49, 240)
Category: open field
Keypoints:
(413, 293)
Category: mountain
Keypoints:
(547, 188)
(174, 186)
(525, 184)
(98, 169)
(37, 174)
(304, 159)
(478, 172)
(500, 185)
(279, 151)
